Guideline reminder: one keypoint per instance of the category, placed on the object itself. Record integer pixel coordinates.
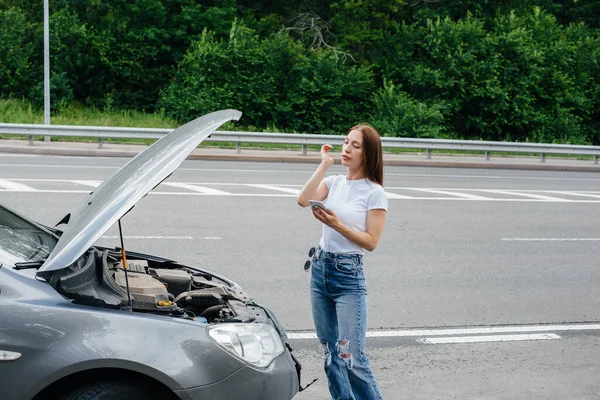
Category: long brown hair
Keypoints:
(372, 152)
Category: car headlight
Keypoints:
(257, 344)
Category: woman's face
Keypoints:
(352, 151)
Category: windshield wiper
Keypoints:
(30, 264)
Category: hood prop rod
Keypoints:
(123, 256)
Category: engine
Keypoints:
(99, 279)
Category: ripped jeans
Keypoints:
(339, 308)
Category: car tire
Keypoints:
(113, 390)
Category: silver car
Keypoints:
(80, 321)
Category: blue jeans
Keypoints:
(339, 308)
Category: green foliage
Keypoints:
(520, 79)
(115, 51)
(274, 81)
(518, 70)
(396, 114)
(16, 51)
(362, 23)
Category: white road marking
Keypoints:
(529, 195)
(93, 184)
(584, 194)
(164, 193)
(463, 331)
(15, 187)
(273, 187)
(290, 190)
(260, 171)
(196, 188)
(465, 196)
(58, 166)
(39, 180)
(48, 191)
(481, 339)
(214, 192)
(397, 196)
(229, 194)
(528, 178)
(150, 237)
(551, 239)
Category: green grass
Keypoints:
(19, 112)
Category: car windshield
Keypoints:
(22, 240)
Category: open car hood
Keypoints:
(102, 208)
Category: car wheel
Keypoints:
(112, 390)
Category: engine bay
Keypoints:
(156, 286)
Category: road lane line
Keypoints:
(465, 196)
(483, 339)
(229, 194)
(149, 237)
(528, 195)
(58, 166)
(47, 191)
(93, 184)
(39, 180)
(528, 178)
(551, 239)
(583, 194)
(462, 331)
(163, 193)
(16, 187)
(215, 192)
(398, 196)
(196, 188)
(273, 187)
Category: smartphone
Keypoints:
(317, 203)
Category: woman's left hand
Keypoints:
(328, 217)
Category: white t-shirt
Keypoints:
(350, 200)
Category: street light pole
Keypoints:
(46, 68)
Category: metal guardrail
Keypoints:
(101, 132)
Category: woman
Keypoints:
(353, 222)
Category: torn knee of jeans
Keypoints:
(326, 353)
(343, 349)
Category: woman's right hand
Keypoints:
(326, 156)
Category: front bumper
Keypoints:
(277, 382)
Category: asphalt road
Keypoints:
(465, 249)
